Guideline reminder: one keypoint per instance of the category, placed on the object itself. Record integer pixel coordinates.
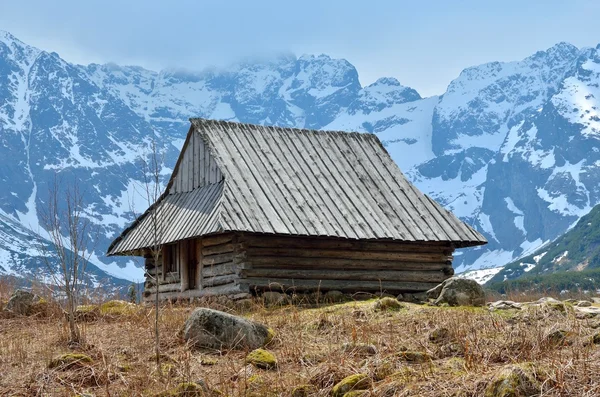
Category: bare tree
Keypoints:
(153, 189)
(68, 228)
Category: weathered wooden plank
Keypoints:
(373, 219)
(225, 289)
(371, 255)
(348, 275)
(218, 249)
(341, 263)
(200, 266)
(217, 239)
(341, 285)
(220, 270)
(165, 288)
(220, 280)
(283, 187)
(216, 259)
(257, 240)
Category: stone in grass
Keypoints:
(190, 389)
(351, 383)
(596, 339)
(388, 304)
(273, 298)
(458, 292)
(516, 380)
(359, 349)
(117, 308)
(557, 337)
(583, 304)
(334, 296)
(262, 359)
(213, 329)
(439, 335)
(414, 356)
(22, 302)
(70, 360)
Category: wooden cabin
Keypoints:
(252, 208)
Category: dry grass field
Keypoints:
(413, 355)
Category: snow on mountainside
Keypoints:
(512, 148)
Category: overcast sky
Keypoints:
(424, 44)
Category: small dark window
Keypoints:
(170, 259)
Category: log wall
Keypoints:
(303, 264)
(237, 264)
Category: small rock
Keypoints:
(418, 297)
(583, 304)
(571, 301)
(515, 380)
(199, 389)
(596, 339)
(557, 337)
(22, 302)
(244, 304)
(351, 383)
(262, 359)
(388, 303)
(70, 360)
(381, 369)
(213, 329)
(334, 296)
(434, 293)
(272, 298)
(504, 305)
(117, 308)
(362, 296)
(359, 349)
(87, 313)
(587, 312)
(460, 292)
(439, 335)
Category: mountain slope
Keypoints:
(576, 251)
(511, 148)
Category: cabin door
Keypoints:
(192, 264)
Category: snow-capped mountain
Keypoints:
(511, 148)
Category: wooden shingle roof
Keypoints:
(295, 182)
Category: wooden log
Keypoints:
(172, 277)
(370, 255)
(341, 263)
(345, 244)
(200, 266)
(357, 275)
(216, 259)
(183, 264)
(165, 288)
(216, 239)
(225, 289)
(219, 280)
(341, 285)
(220, 270)
(218, 249)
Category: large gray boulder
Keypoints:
(22, 302)
(458, 292)
(216, 330)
